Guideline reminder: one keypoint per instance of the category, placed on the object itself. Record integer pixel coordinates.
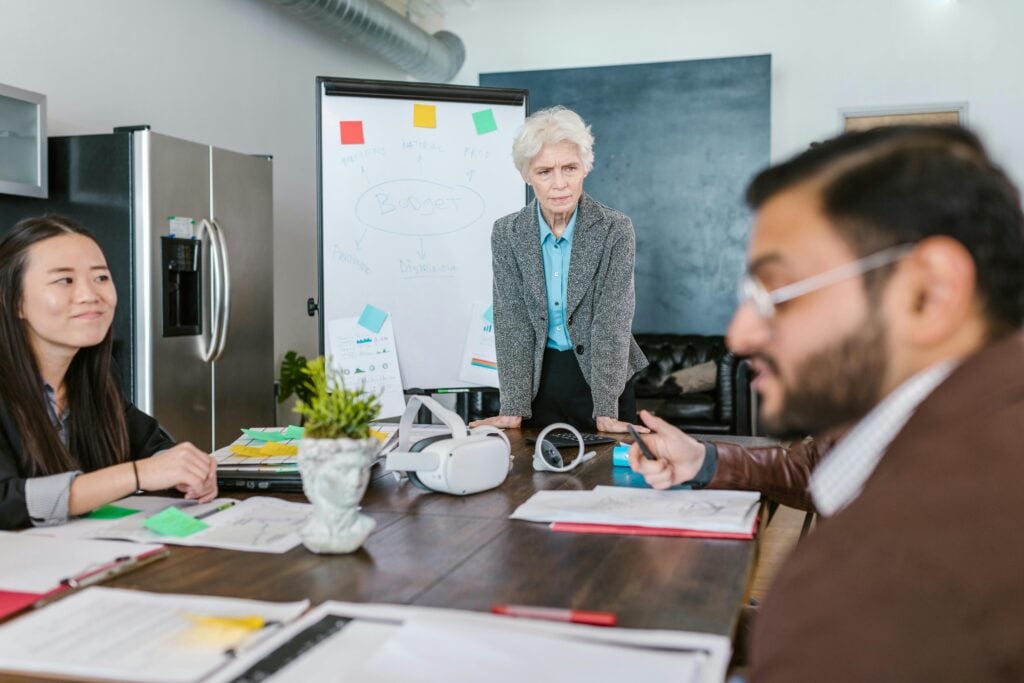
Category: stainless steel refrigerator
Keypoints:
(188, 233)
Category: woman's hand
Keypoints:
(679, 455)
(183, 467)
(500, 421)
(610, 424)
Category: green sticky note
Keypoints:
(264, 436)
(174, 522)
(110, 512)
(484, 121)
(293, 432)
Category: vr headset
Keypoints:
(467, 461)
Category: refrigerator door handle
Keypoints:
(225, 302)
(208, 349)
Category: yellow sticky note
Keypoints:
(216, 631)
(279, 449)
(379, 435)
(251, 623)
(247, 451)
(424, 116)
(264, 450)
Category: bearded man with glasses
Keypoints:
(885, 290)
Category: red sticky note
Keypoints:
(351, 132)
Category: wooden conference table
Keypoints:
(464, 552)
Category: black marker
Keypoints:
(640, 442)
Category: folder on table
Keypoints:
(627, 530)
(36, 569)
(646, 512)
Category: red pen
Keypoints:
(575, 616)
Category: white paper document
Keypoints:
(38, 564)
(125, 635)
(712, 511)
(479, 363)
(390, 644)
(258, 524)
(368, 359)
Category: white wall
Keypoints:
(827, 55)
(238, 74)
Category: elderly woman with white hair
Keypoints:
(563, 290)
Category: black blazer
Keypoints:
(145, 437)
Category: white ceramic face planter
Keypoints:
(335, 473)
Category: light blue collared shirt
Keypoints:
(556, 253)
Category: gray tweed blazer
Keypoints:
(599, 307)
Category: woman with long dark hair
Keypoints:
(69, 442)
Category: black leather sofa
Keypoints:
(724, 409)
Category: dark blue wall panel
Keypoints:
(677, 143)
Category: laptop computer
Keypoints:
(240, 467)
(243, 465)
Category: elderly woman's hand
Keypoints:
(610, 424)
(500, 421)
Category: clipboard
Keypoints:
(36, 570)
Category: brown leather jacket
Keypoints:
(781, 473)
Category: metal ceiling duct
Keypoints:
(380, 29)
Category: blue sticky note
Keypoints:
(372, 318)
(489, 314)
(620, 455)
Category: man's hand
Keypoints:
(679, 456)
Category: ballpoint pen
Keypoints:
(575, 616)
(640, 442)
(118, 566)
(219, 508)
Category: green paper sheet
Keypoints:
(174, 522)
(259, 435)
(110, 512)
(293, 432)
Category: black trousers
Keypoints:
(564, 395)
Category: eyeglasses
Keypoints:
(764, 302)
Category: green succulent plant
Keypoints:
(331, 410)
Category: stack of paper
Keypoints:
(122, 635)
(612, 509)
(261, 446)
(400, 644)
(35, 568)
(257, 524)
